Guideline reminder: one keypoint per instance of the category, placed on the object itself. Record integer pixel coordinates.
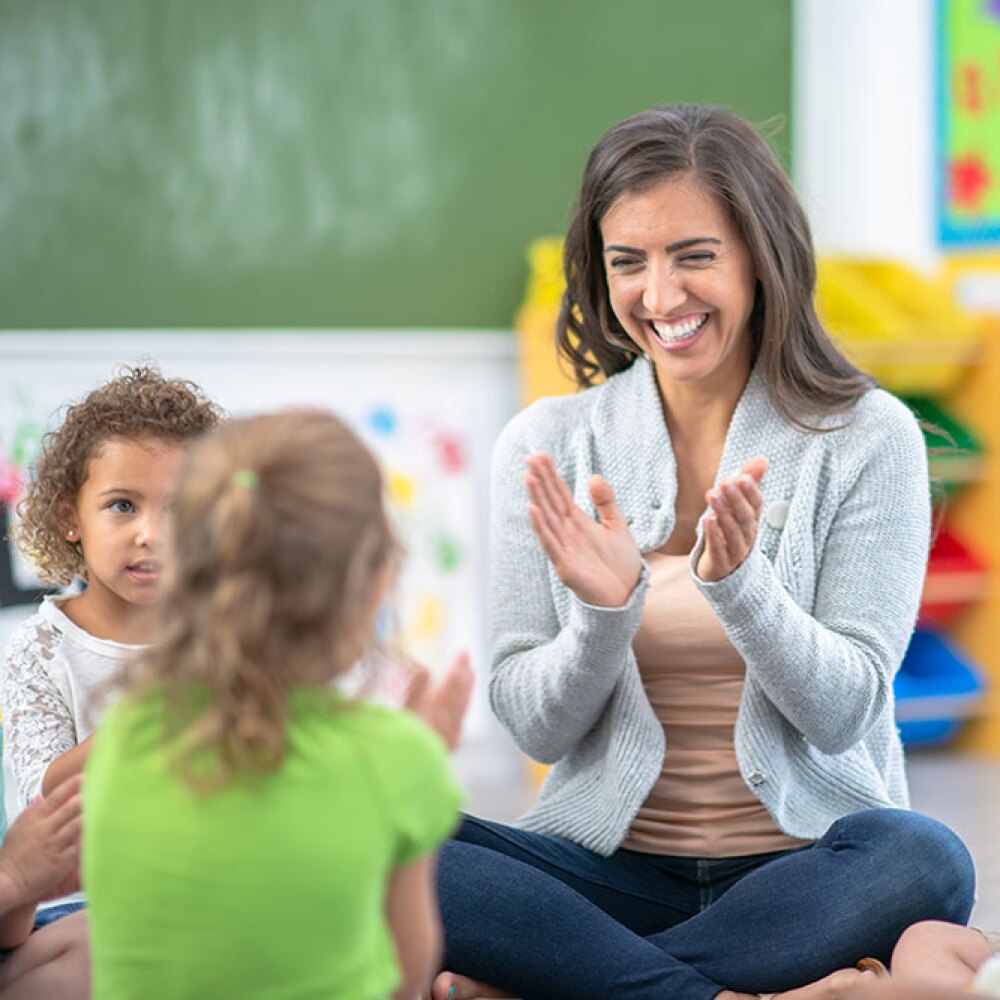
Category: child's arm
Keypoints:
(65, 766)
(40, 858)
(412, 913)
(39, 724)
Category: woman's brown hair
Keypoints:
(280, 537)
(806, 374)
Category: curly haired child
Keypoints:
(250, 830)
(93, 511)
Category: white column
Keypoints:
(863, 111)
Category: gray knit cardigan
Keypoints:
(821, 611)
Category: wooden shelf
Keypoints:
(958, 468)
(868, 353)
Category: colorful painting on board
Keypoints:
(968, 126)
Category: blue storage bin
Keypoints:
(936, 688)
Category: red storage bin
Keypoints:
(955, 579)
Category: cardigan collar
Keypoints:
(631, 444)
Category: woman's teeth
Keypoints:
(674, 333)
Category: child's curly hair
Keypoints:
(138, 403)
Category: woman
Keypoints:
(727, 813)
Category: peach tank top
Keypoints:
(700, 806)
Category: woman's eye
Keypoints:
(618, 263)
(704, 257)
(123, 506)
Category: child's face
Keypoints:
(120, 516)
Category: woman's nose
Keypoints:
(663, 292)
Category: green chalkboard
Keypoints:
(179, 163)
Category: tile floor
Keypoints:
(961, 790)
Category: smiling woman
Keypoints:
(703, 581)
(681, 279)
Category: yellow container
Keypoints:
(902, 327)
(540, 370)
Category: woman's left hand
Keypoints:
(730, 527)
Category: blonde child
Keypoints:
(94, 511)
(250, 831)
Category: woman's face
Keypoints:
(681, 282)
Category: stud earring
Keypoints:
(70, 535)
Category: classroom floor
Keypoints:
(960, 790)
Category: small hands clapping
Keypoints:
(597, 560)
(442, 701)
(41, 852)
(730, 527)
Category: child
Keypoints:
(250, 831)
(93, 511)
(934, 960)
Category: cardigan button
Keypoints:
(755, 778)
(777, 514)
(656, 504)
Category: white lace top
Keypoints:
(54, 687)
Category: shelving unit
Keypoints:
(974, 513)
(908, 330)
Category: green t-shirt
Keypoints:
(273, 887)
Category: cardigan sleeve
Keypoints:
(551, 675)
(830, 672)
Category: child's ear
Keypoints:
(69, 523)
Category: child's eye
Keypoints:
(122, 506)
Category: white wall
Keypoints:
(442, 397)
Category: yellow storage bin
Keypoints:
(540, 370)
(902, 327)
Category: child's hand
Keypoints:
(442, 702)
(40, 857)
(731, 525)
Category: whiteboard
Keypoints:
(429, 403)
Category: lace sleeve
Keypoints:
(38, 723)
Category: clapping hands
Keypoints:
(730, 527)
(40, 858)
(442, 701)
(598, 560)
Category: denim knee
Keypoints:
(911, 850)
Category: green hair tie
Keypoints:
(246, 478)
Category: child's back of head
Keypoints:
(282, 551)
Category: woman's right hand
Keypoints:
(598, 560)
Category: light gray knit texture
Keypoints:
(821, 611)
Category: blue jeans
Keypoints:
(545, 918)
(42, 919)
